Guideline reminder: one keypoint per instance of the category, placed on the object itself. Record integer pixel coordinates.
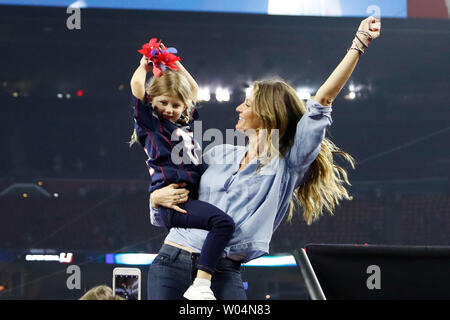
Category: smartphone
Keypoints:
(127, 283)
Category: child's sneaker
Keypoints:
(199, 293)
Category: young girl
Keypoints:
(164, 111)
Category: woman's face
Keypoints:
(168, 107)
(248, 119)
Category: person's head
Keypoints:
(271, 105)
(171, 96)
(248, 121)
(275, 105)
(101, 292)
(168, 106)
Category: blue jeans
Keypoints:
(174, 270)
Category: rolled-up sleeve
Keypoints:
(309, 135)
(155, 217)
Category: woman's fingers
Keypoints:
(375, 26)
(177, 185)
(373, 23)
(178, 191)
(185, 197)
(372, 26)
(177, 208)
(180, 197)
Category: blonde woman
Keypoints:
(259, 189)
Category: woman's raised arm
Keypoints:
(368, 30)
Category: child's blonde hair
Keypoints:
(171, 83)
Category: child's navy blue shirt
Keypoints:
(173, 154)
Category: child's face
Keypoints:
(168, 107)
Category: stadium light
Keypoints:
(222, 94)
(203, 94)
(304, 93)
(351, 95)
(248, 91)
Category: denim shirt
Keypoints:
(257, 201)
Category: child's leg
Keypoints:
(202, 215)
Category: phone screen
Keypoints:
(126, 286)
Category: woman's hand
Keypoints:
(369, 29)
(145, 63)
(170, 196)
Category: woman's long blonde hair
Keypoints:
(174, 84)
(279, 107)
